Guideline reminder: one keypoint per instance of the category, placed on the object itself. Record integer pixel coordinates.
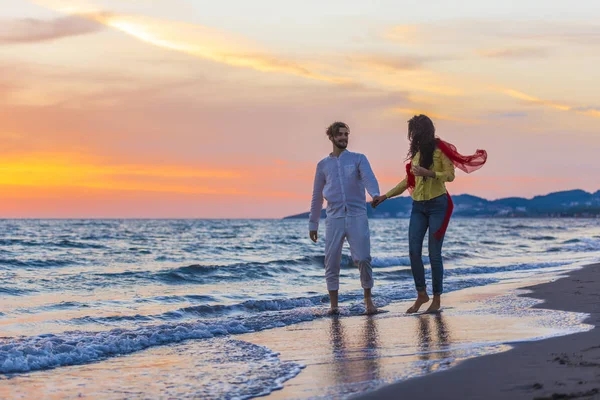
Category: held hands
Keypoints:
(417, 170)
(313, 236)
(377, 200)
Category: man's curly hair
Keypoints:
(334, 128)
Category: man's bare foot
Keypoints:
(334, 311)
(333, 300)
(436, 304)
(369, 306)
(422, 298)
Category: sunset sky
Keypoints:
(211, 109)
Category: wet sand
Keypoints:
(565, 367)
(352, 355)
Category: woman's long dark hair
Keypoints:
(421, 135)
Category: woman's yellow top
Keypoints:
(429, 188)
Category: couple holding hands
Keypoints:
(342, 177)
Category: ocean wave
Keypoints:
(200, 273)
(467, 282)
(74, 348)
(65, 243)
(491, 242)
(583, 245)
(534, 227)
(455, 255)
(112, 319)
(203, 273)
(176, 299)
(46, 351)
(65, 305)
(399, 274)
(382, 262)
(542, 238)
(502, 268)
(35, 263)
(77, 245)
(218, 310)
(262, 370)
(19, 242)
(13, 291)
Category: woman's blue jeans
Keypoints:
(426, 215)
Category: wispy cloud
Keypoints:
(210, 44)
(514, 114)
(390, 62)
(36, 30)
(408, 112)
(407, 34)
(589, 111)
(514, 52)
(468, 32)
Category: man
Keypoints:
(341, 178)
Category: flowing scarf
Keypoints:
(465, 163)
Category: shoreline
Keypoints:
(564, 367)
(342, 356)
(361, 354)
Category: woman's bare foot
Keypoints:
(422, 298)
(436, 304)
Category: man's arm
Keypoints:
(368, 177)
(316, 204)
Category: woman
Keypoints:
(431, 166)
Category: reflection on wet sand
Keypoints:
(355, 360)
(434, 341)
(357, 357)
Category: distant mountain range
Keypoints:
(572, 203)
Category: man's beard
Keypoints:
(341, 145)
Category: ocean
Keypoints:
(83, 292)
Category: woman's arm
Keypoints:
(447, 173)
(398, 190)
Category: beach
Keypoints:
(566, 367)
(236, 309)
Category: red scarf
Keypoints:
(466, 163)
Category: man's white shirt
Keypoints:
(342, 182)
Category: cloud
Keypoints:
(410, 112)
(408, 34)
(514, 114)
(209, 44)
(389, 62)
(226, 48)
(588, 111)
(517, 53)
(35, 30)
(469, 32)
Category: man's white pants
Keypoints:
(356, 230)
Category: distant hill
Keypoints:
(572, 203)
